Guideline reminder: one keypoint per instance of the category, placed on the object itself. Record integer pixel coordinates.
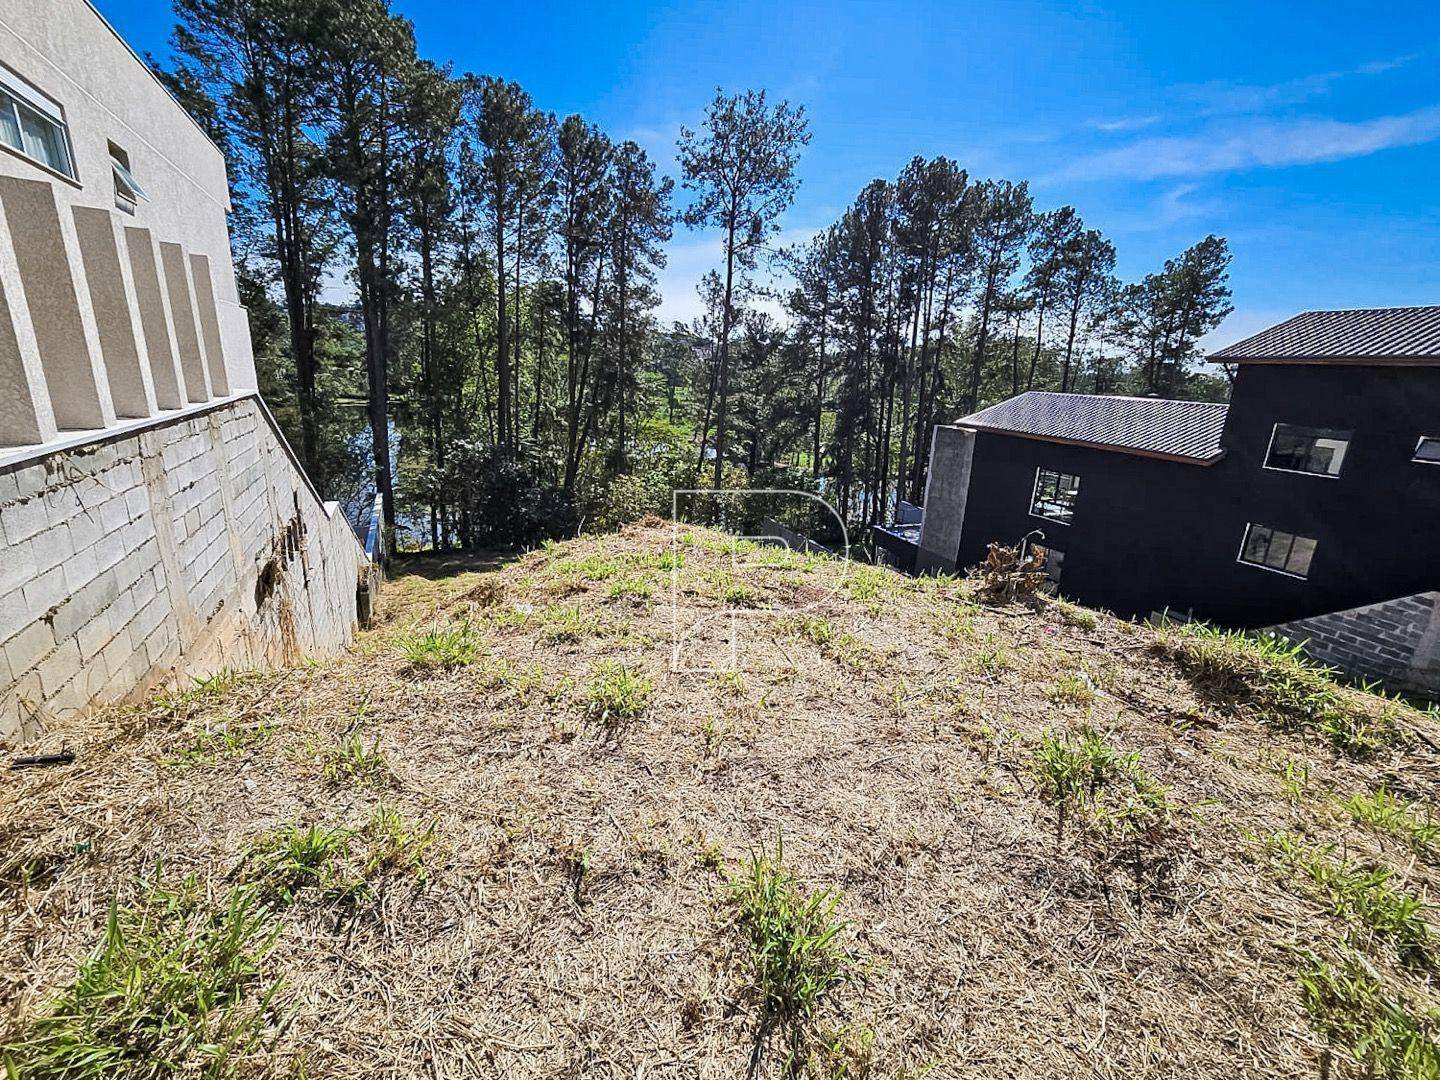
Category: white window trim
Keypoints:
(1240, 555)
(1298, 472)
(49, 108)
(1415, 458)
(1035, 490)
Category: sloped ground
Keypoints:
(549, 890)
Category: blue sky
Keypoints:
(1306, 133)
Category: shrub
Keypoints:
(174, 988)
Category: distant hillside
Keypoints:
(919, 833)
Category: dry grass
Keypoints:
(549, 891)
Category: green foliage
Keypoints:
(616, 693)
(223, 740)
(290, 859)
(397, 846)
(1088, 774)
(175, 988)
(509, 496)
(1270, 676)
(797, 959)
(1399, 817)
(440, 648)
(1364, 897)
(1072, 688)
(1074, 615)
(350, 760)
(1349, 1008)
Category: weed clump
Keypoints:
(351, 761)
(1363, 897)
(1391, 814)
(1349, 1009)
(1088, 774)
(440, 648)
(175, 987)
(290, 859)
(796, 955)
(616, 693)
(1269, 675)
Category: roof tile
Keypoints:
(1401, 333)
(1188, 430)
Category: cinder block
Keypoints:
(22, 520)
(52, 548)
(85, 529)
(93, 636)
(17, 566)
(81, 568)
(28, 646)
(85, 605)
(57, 669)
(44, 592)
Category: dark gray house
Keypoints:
(1310, 503)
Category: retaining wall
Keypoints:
(1397, 642)
(171, 548)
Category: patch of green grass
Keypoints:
(1088, 774)
(1362, 897)
(440, 648)
(1074, 615)
(991, 658)
(175, 988)
(1349, 1009)
(395, 845)
(616, 693)
(956, 621)
(630, 588)
(1270, 676)
(1400, 818)
(796, 956)
(731, 682)
(837, 644)
(1294, 776)
(1072, 688)
(204, 690)
(222, 740)
(592, 567)
(351, 761)
(290, 859)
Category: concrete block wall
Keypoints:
(1397, 641)
(180, 547)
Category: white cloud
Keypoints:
(1122, 124)
(1218, 98)
(1237, 145)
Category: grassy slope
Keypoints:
(571, 913)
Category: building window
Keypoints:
(1051, 559)
(34, 125)
(1428, 450)
(1275, 550)
(1055, 495)
(1317, 451)
(128, 191)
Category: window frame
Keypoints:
(1035, 493)
(1270, 448)
(1245, 541)
(26, 94)
(1416, 459)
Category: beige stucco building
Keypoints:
(154, 522)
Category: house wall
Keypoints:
(184, 546)
(107, 315)
(1149, 534)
